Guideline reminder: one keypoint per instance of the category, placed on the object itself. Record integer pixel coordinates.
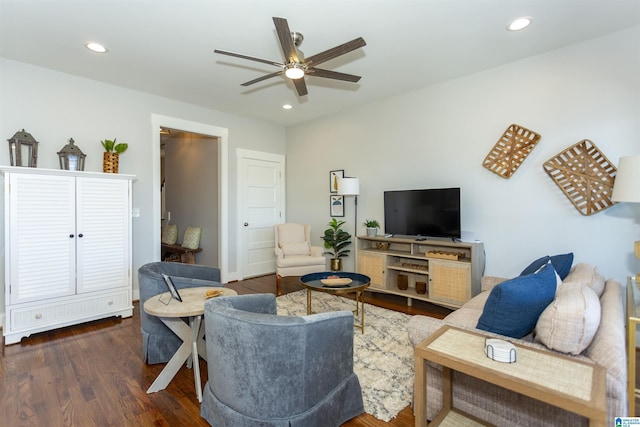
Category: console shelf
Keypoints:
(451, 269)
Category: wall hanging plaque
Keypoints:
(584, 175)
(512, 148)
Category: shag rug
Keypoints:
(383, 355)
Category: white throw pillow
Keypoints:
(571, 321)
(169, 234)
(191, 238)
(289, 249)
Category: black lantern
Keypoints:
(23, 149)
(71, 157)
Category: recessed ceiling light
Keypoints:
(96, 47)
(287, 106)
(519, 24)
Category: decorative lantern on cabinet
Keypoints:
(23, 149)
(71, 157)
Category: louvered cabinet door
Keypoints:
(40, 237)
(103, 222)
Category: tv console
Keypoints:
(451, 270)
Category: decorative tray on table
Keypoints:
(335, 281)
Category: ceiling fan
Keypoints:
(295, 66)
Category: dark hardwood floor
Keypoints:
(93, 374)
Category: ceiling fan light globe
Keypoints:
(294, 71)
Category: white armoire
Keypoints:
(67, 248)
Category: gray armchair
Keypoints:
(270, 370)
(159, 343)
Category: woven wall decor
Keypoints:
(584, 175)
(512, 148)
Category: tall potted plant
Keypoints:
(336, 240)
(111, 154)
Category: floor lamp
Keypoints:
(626, 188)
(351, 187)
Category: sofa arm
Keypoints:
(316, 251)
(422, 327)
(489, 282)
(278, 252)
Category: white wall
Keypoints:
(439, 136)
(54, 107)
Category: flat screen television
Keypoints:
(426, 213)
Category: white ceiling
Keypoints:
(165, 47)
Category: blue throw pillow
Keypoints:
(513, 306)
(562, 263)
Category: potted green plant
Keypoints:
(336, 240)
(112, 151)
(372, 227)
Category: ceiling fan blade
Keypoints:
(286, 41)
(259, 79)
(251, 58)
(301, 86)
(328, 74)
(335, 52)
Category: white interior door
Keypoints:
(261, 200)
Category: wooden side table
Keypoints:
(192, 306)
(184, 255)
(560, 381)
(633, 319)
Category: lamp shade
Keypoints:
(626, 187)
(348, 186)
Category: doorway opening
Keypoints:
(189, 188)
(221, 186)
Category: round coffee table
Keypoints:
(171, 311)
(359, 282)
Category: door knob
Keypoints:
(246, 224)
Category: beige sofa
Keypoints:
(504, 408)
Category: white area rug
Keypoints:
(383, 355)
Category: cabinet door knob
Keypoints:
(80, 235)
(71, 236)
(39, 316)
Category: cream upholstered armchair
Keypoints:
(295, 256)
